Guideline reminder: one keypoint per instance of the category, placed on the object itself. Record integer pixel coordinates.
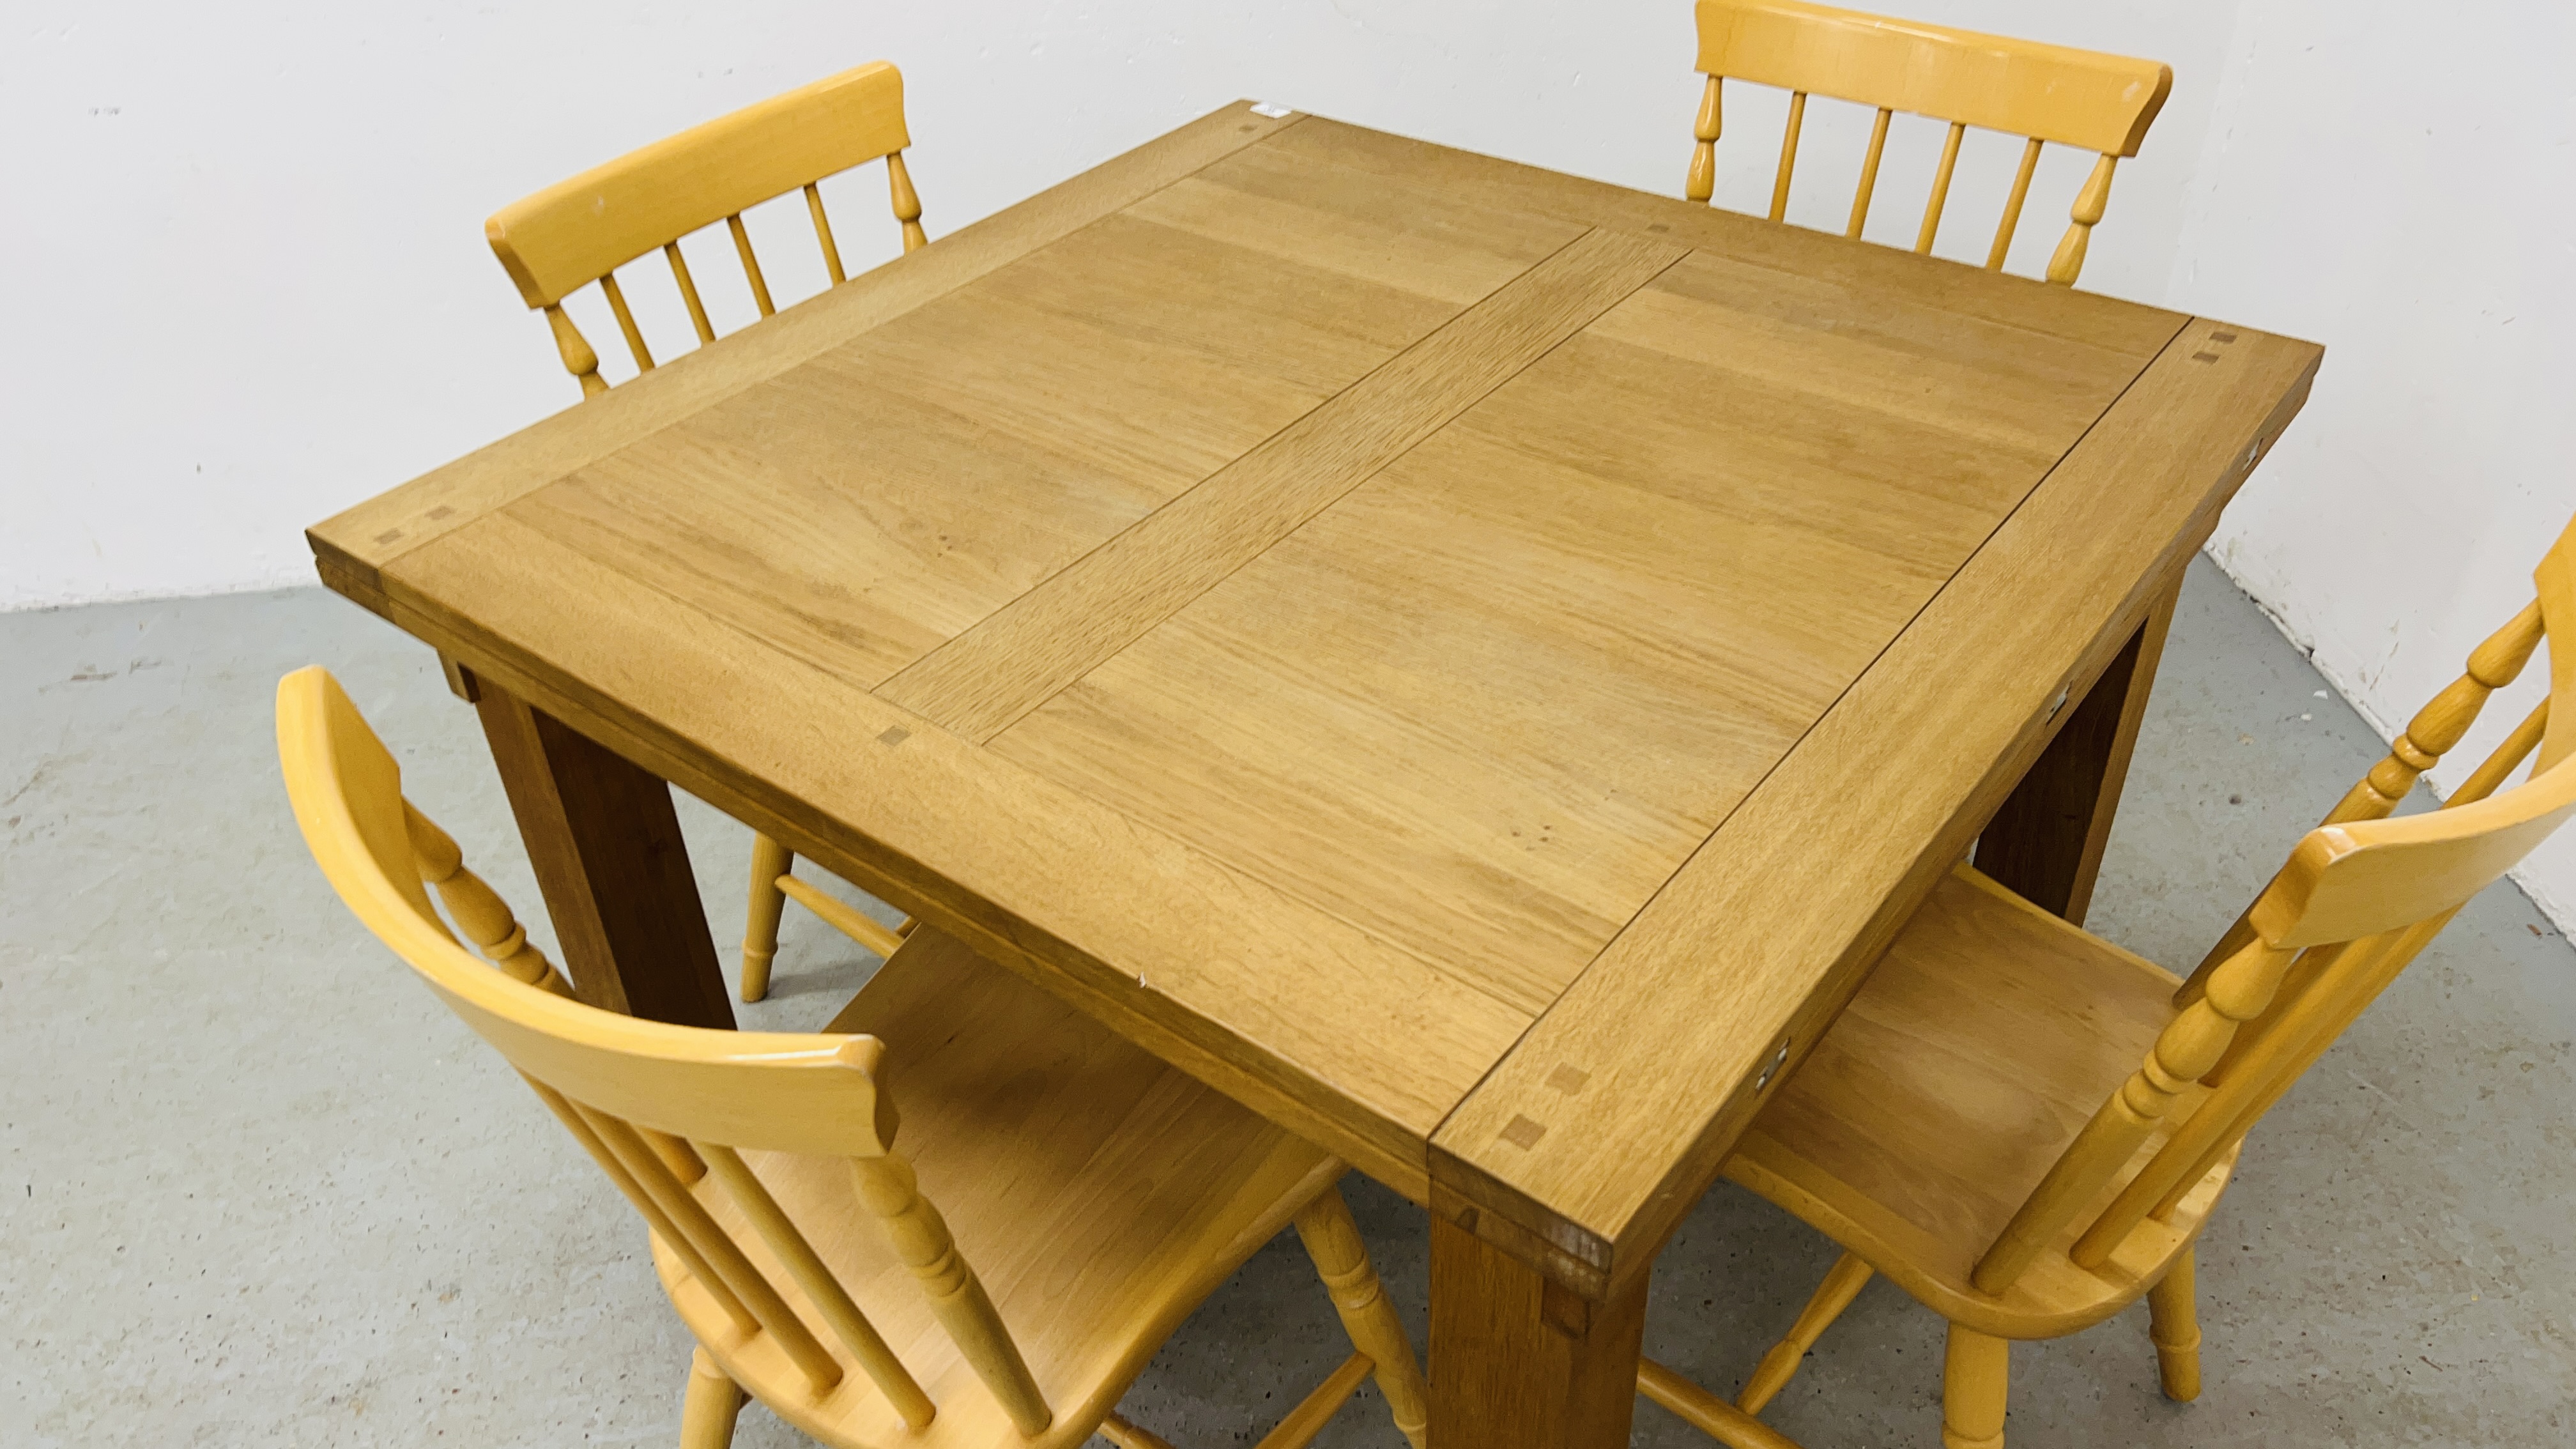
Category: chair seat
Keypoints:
(1982, 1043)
(1111, 1193)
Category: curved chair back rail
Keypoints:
(2043, 93)
(580, 231)
(659, 1106)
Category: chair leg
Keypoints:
(707, 1415)
(1127, 1436)
(2173, 1318)
(1848, 1276)
(1333, 1241)
(769, 861)
(1973, 1385)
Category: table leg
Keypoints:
(608, 855)
(1520, 1363)
(2045, 844)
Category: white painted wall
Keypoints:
(248, 284)
(2392, 180)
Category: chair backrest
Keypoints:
(2042, 93)
(658, 1107)
(580, 231)
(2360, 896)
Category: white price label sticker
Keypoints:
(1269, 108)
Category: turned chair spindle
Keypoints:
(477, 909)
(890, 1189)
(2043, 93)
(2435, 731)
(2335, 905)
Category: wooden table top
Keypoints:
(1468, 660)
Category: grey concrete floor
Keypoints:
(256, 1187)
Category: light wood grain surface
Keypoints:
(1466, 660)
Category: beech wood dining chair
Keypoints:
(2027, 1127)
(1100, 1195)
(581, 231)
(2041, 93)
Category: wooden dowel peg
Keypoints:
(1788, 156)
(1940, 191)
(689, 292)
(750, 266)
(626, 323)
(1869, 173)
(2012, 207)
(823, 233)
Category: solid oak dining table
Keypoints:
(1474, 663)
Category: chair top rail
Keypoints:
(773, 1091)
(570, 234)
(2084, 98)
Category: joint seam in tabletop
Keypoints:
(2186, 323)
(1271, 438)
(1741, 238)
(2006, 517)
(609, 710)
(605, 715)
(1394, 1168)
(2192, 527)
(977, 710)
(1271, 1048)
(1321, 509)
(1590, 1258)
(1613, 268)
(563, 442)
